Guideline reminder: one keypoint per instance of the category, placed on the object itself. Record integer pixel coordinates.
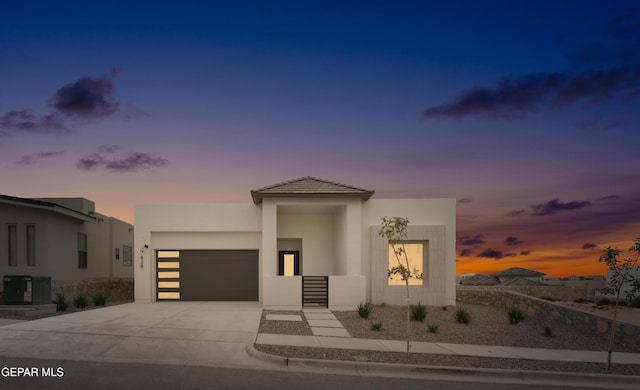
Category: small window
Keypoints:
(82, 250)
(12, 247)
(31, 245)
(415, 254)
(117, 253)
(127, 255)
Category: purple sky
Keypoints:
(527, 112)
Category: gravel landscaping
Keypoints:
(489, 326)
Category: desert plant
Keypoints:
(377, 326)
(364, 309)
(621, 276)
(462, 316)
(418, 312)
(80, 301)
(433, 328)
(383, 304)
(547, 331)
(394, 229)
(61, 302)
(445, 308)
(100, 299)
(515, 315)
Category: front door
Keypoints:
(288, 263)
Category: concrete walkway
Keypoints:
(447, 349)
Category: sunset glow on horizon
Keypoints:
(527, 113)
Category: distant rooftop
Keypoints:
(309, 186)
(59, 205)
(517, 272)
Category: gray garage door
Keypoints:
(207, 275)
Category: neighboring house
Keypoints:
(62, 238)
(302, 242)
(517, 272)
(480, 280)
(592, 283)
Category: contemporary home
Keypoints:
(302, 242)
(64, 239)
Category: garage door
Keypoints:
(207, 275)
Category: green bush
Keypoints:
(377, 326)
(462, 316)
(100, 299)
(433, 328)
(80, 301)
(515, 315)
(364, 309)
(418, 312)
(445, 308)
(61, 302)
(547, 331)
(384, 304)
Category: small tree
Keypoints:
(394, 229)
(620, 275)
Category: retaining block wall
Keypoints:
(551, 312)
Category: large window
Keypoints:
(82, 250)
(415, 254)
(31, 244)
(127, 255)
(12, 247)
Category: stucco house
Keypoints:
(301, 242)
(510, 274)
(64, 239)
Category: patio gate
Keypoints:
(315, 291)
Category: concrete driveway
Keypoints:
(193, 333)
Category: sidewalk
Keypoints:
(328, 332)
(447, 349)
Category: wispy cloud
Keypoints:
(609, 71)
(466, 252)
(86, 98)
(512, 241)
(478, 239)
(494, 254)
(555, 205)
(25, 121)
(463, 201)
(513, 95)
(29, 159)
(589, 245)
(106, 159)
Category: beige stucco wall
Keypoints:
(209, 226)
(316, 232)
(429, 219)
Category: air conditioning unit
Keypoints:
(27, 290)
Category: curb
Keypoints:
(465, 374)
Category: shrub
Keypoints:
(635, 302)
(462, 316)
(445, 308)
(580, 300)
(383, 304)
(418, 312)
(433, 328)
(547, 331)
(364, 309)
(61, 302)
(376, 326)
(604, 301)
(515, 315)
(100, 299)
(80, 301)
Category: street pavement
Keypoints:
(222, 334)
